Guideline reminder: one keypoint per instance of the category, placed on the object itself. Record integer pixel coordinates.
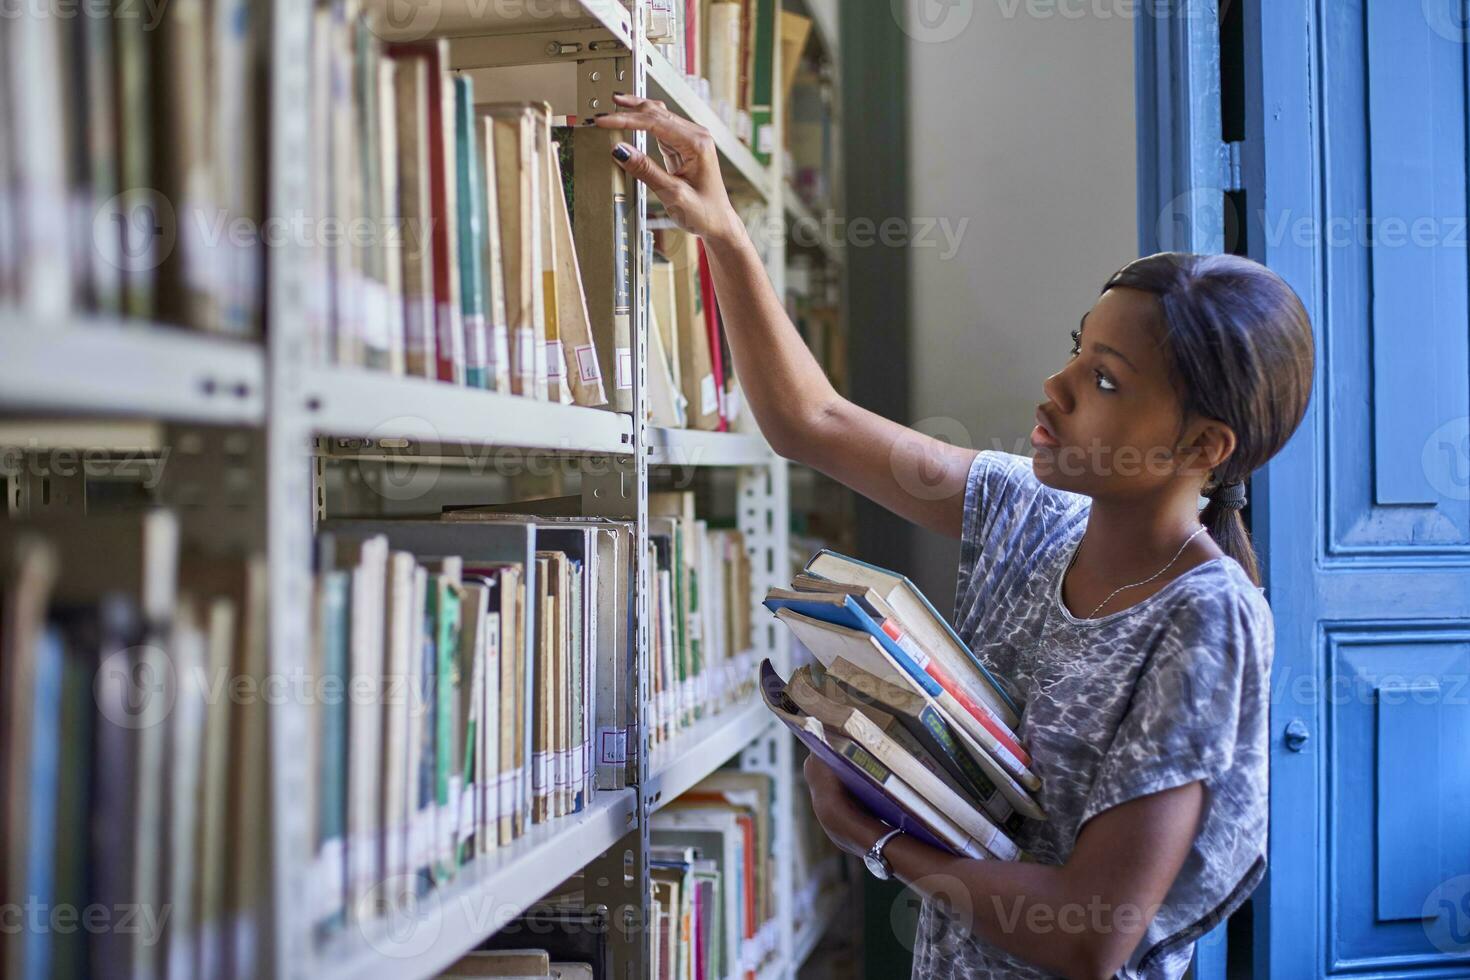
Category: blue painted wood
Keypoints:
(1409, 857)
(1398, 819)
(1417, 361)
(1416, 153)
(1356, 115)
(1181, 195)
(1278, 164)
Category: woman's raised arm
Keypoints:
(918, 477)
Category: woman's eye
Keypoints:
(1104, 382)
(1076, 342)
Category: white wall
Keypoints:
(1024, 124)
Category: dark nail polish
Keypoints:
(621, 154)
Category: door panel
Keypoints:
(1399, 813)
(1393, 231)
(1355, 169)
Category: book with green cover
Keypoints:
(445, 598)
(763, 80)
(470, 203)
(331, 827)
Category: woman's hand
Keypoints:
(692, 190)
(850, 826)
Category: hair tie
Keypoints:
(1231, 495)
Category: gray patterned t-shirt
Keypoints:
(1170, 690)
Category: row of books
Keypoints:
(470, 270)
(489, 658)
(691, 379)
(726, 48)
(713, 870)
(488, 661)
(133, 739)
(811, 133)
(132, 154)
(901, 709)
(700, 641)
(813, 301)
(712, 910)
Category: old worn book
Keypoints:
(603, 222)
(411, 86)
(581, 369)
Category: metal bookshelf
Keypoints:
(90, 368)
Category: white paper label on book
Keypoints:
(476, 352)
(467, 810)
(448, 342)
(415, 330)
(525, 353)
(765, 140)
(539, 765)
(374, 315)
(709, 399)
(499, 342)
(613, 746)
(553, 360)
(624, 377)
(328, 879)
(587, 363)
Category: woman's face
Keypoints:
(1110, 425)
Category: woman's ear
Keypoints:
(1209, 445)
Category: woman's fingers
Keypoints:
(641, 166)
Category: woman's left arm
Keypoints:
(1081, 919)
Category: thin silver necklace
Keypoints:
(1155, 575)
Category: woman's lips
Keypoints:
(1041, 435)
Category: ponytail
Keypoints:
(1222, 520)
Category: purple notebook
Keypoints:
(858, 782)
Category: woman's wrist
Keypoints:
(727, 233)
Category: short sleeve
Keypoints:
(1011, 519)
(1183, 719)
(1199, 712)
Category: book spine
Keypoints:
(1008, 750)
(471, 236)
(916, 806)
(931, 787)
(948, 748)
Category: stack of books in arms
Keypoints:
(712, 907)
(132, 157)
(901, 709)
(487, 658)
(133, 739)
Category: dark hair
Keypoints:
(1242, 352)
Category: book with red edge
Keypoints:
(443, 181)
(712, 328)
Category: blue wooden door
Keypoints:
(1354, 169)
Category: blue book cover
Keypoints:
(851, 615)
(990, 678)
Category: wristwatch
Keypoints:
(874, 859)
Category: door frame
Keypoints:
(1184, 170)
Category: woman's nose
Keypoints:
(1055, 388)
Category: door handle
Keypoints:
(1297, 735)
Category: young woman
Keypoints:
(1128, 622)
